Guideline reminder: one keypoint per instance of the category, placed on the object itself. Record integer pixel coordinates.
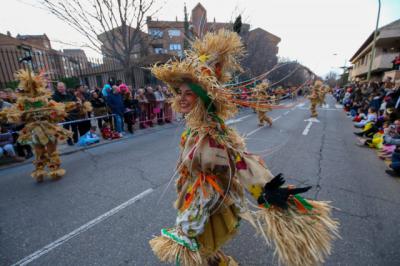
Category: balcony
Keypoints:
(381, 62)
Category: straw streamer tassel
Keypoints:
(300, 239)
(170, 251)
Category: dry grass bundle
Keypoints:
(300, 239)
(169, 251)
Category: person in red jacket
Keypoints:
(396, 63)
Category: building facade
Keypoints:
(38, 47)
(387, 47)
(167, 37)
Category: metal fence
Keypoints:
(56, 66)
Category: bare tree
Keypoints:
(111, 27)
(331, 78)
(290, 73)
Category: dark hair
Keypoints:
(111, 81)
(78, 86)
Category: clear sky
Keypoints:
(312, 31)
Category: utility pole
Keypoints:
(373, 44)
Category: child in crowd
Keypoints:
(108, 133)
(360, 115)
(89, 138)
(6, 145)
(371, 117)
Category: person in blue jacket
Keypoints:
(89, 138)
(116, 104)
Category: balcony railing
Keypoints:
(381, 61)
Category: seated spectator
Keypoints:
(360, 115)
(6, 145)
(108, 133)
(89, 138)
(3, 101)
(355, 108)
(390, 133)
(371, 117)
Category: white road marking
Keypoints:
(325, 106)
(237, 120)
(257, 129)
(80, 230)
(310, 121)
(339, 106)
(301, 104)
(307, 129)
(285, 113)
(323, 109)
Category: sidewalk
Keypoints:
(65, 149)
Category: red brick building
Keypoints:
(167, 37)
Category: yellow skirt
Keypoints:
(221, 227)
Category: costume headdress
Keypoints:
(317, 84)
(206, 67)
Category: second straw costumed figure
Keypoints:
(41, 116)
(215, 171)
(261, 97)
(315, 98)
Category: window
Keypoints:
(157, 33)
(175, 47)
(174, 33)
(158, 50)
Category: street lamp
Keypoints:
(373, 44)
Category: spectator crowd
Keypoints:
(375, 110)
(117, 109)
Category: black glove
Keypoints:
(275, 195)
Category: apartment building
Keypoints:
(387, 47)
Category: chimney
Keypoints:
(9, 33)
(176, 18)
(148, 19)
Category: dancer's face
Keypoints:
(188, 99)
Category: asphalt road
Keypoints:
(112, 200)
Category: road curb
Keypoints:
(105, 142)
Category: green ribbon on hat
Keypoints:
(202, 94)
